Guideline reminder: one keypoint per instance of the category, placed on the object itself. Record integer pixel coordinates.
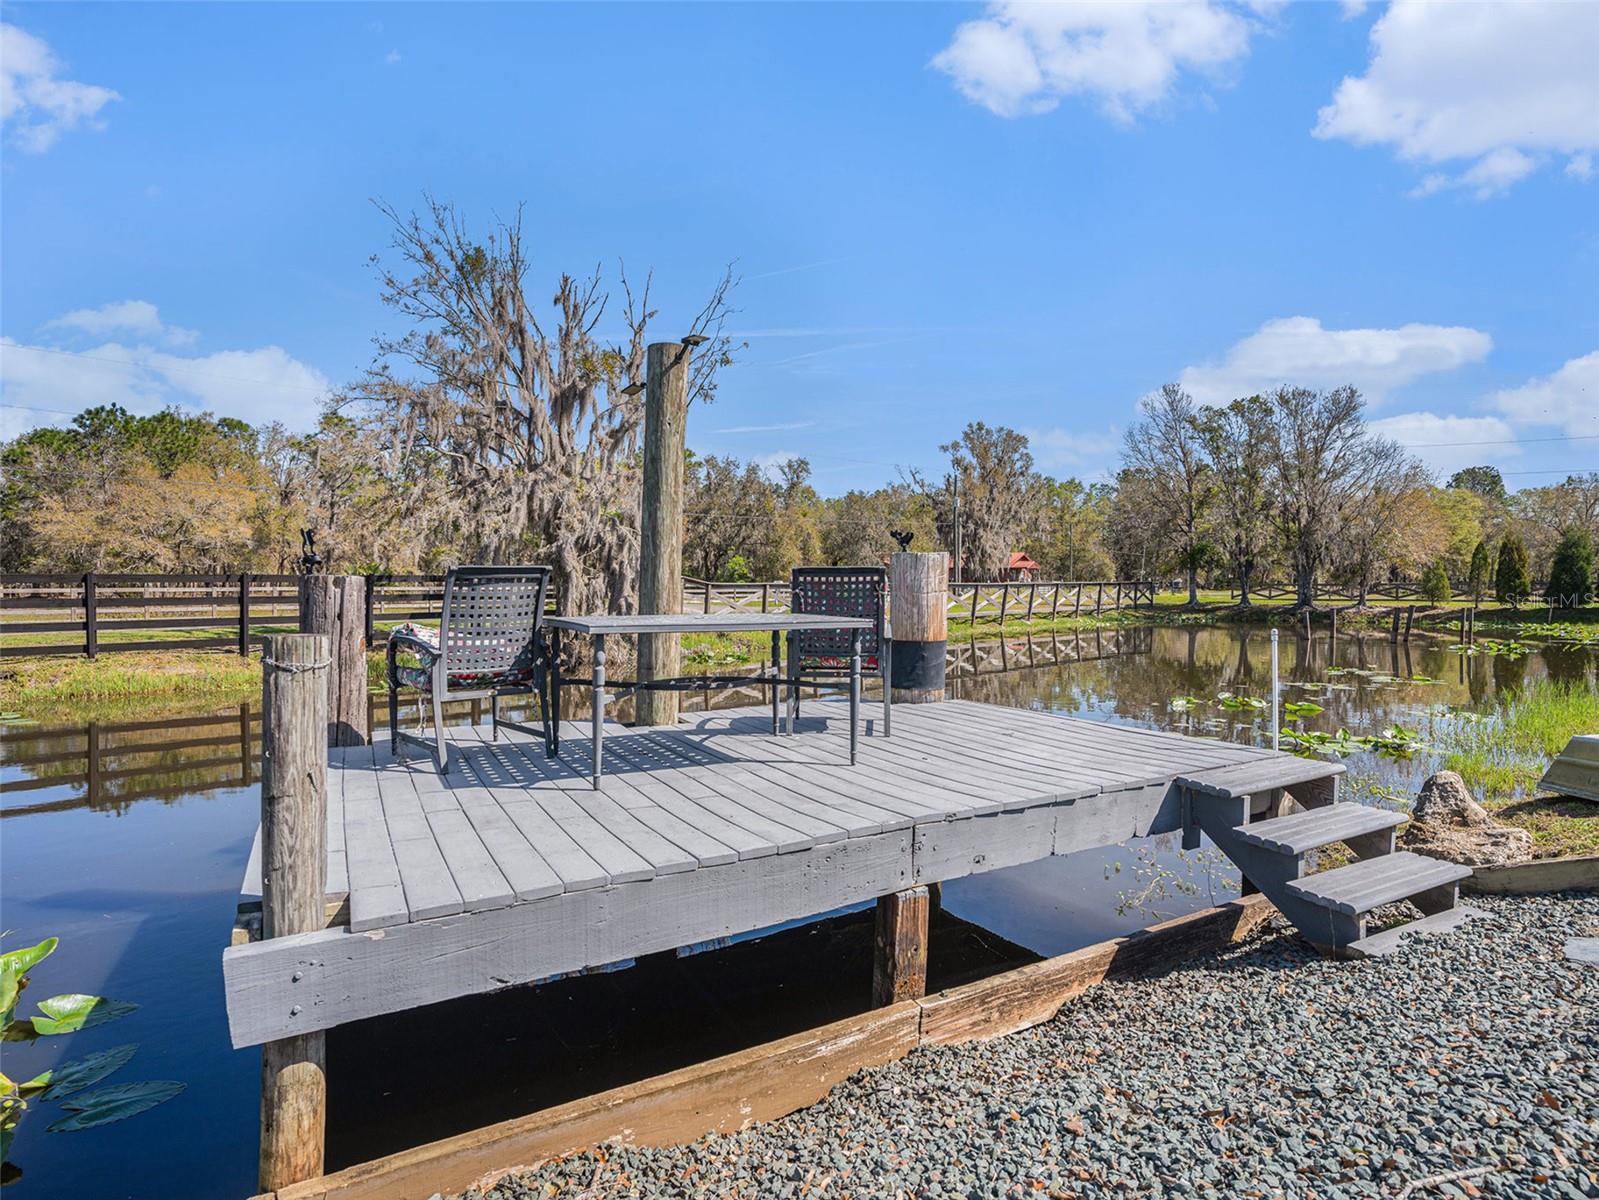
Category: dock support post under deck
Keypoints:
(294, 772)
(899, 950)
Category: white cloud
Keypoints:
(1580, 167)
(1058, 449)
(48, 384)
(36, 106)
(1568, 398)
(138, 317)
(1448, 443)
(1024, 58)
(1501, 87)
(392, 57)
(1300, 352)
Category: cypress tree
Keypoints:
(1435, 584)
(1571, 574)
(1512, 582)
(1477, 575)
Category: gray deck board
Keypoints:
(512, 867)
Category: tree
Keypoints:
(1477, 576)
(994, 470)
(1435, 586)
(1321, 454)
(1571, 578)
(1237, 443)
(1486, 482)
(1167, 447)
(1512, 583)
(728, 511)
(521, 440)
(1068, 543)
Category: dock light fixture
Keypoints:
(694, 339)
(633, 388)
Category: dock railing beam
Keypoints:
(294, 807)
(334, 606)
(660, 588)
(918, 592)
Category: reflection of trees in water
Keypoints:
(1567, 664)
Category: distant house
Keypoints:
(1021, 567)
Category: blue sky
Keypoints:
(1029, 216)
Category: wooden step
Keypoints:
(1260, 775)
(1373, 882)
(1378, 944)
(1317, 827)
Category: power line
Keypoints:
(1575, 437)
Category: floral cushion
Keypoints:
(836, 662)
(422, 641)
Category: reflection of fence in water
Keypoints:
(111, 764)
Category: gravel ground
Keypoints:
(1261, 1071)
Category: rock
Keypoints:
(1445, 798)
(1447, 823)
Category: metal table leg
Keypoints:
(854, 691)
(777, 677)
(599, 705)
(554, 714)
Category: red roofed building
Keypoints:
(1021, 567)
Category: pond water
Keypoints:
(132, 855)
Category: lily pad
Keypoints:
(116, 1103)
(22, 961)
(83, 1072)
(1294, 709)
(75, 1011)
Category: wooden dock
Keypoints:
(511, 869)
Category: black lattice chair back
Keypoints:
(840, 592)
(490, 617)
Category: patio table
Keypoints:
(598, 627)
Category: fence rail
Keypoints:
(237, 612)
(1378, 591)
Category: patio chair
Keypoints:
(824, 654)
(490, 644)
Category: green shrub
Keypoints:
(1477, 576)
(1571, 575)
(1435, 587)
(1512, 581)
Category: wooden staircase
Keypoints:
(1271, 816)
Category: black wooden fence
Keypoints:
(108, 613)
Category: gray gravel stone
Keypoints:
(1261, 1071)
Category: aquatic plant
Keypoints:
(1495, 648)
(1183, 703)
(1296, 710)
(65, 1084)
(1393, 742)
(1234, 703)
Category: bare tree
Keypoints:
(521, 438)
(1318, 449)
(1167, 449)
(1237, 442)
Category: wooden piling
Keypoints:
(334, 606)
(294, 768)
(1410, 617)
(899, 953)
(661, 532)
(919, 593)
(1393, 631)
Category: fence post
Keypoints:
(661, 527)
(332, 605)
(1004, 601)
(1032, 596)
(91, 634)
(765, 593)
(1099, 599)
(244, 614)
(294, 770)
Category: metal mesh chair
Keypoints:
(490, 644)
(823, 654)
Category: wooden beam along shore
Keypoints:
(511, 868)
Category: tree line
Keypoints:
(492, 427)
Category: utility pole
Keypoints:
(957, 520)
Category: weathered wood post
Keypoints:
(294, 777)
(899, 951)
(918, 592)
(661, 536)
(335, 607)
